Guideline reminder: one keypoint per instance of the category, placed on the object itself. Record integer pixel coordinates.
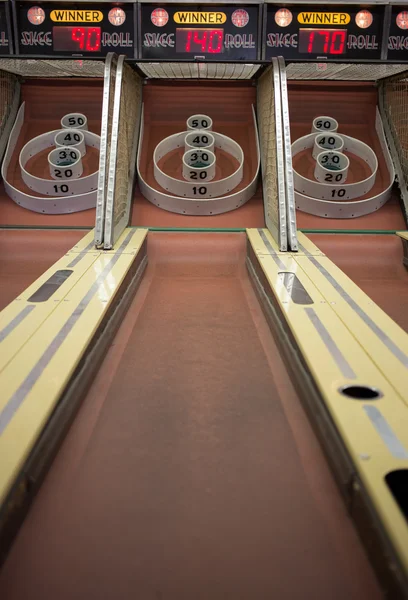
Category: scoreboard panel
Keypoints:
(6, 46)
(208, 31)
(324, 31)
(75, 29)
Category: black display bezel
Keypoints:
(376, 29)
(234, 55)
(5, 17)
(24, 27)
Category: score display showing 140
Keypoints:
(200, 40)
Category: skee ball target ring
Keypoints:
(65, 163)
(189, 189)
(199, 165)
(327, 141)
(74, 121)
(324, 124)
(329, 199)
(66, 191)
(198, 197)
(71, 137)
(199, 139)
(199, 122)
(331, 166)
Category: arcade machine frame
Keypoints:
(372, 482)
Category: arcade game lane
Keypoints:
(191, 469)
(346, 32)
(373, 262)
(353, 105)
(47, 101)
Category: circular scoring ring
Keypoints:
(74, 121)
(328, 191)
(203, 173)
(209, 145)
(325, 171)
(65, 163)
(345, 209)
(332, 141)
(185, 189)
(333, 124)
(201, 119)
(49, 187)
(43, 204)
(198, 206)
(60, 139)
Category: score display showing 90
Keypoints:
(72, 39)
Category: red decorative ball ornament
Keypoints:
(240, 17)
(402, 20)
(159, 17)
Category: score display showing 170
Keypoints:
(322, 41)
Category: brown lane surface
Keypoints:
(26, 254)
(374, 263)
(191, 470)
(47, 101)
(167, 107)
(353, 105)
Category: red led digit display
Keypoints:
(200, 41)
(76, 39)
(322, 41)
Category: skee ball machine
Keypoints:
(204, 292)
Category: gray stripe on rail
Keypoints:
(382, 336)
(16, 321)
(330, 344)
(20, 395)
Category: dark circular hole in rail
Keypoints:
(360, 392)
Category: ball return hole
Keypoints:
(360, 392)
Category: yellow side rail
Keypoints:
(357, 358)
(43, 341)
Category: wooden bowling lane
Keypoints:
(374, 263)
(353, 104)
(191, 470)
(26, 254)
(47, 101)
